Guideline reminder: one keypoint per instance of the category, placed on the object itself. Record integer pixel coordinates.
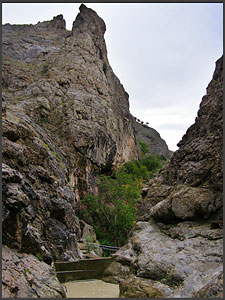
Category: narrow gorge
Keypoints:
(175, 249)
(65, 122)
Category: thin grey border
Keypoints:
(111, 2)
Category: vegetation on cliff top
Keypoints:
(113, 212)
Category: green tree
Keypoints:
(113, 212)
(144, 148)
(153, 163)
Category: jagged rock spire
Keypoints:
(88, 22)
(59, 22)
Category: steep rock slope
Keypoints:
(65, 120)
(190, 185)
(152, 138)
(173, 250)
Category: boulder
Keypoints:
(135, 287)
(172, 260)
(24, 276)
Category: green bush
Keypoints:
(144, 168)
(136, 169)
(104, 67)
(153, 163)
(113, 211)
(144, 148)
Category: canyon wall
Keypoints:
(190, 186)
(176, 247)
(65, 121)
(152, 138)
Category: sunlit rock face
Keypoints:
(170, 261)
(66, 120)
(173, 250)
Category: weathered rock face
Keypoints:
(24, 276)
(65, 120)
(175, 252)
(152, 138)
(190, 185)
(135, 287)
(169, 261)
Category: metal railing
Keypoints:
(107, 250)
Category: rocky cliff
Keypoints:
(65, 121)
(152, 138)
(190, 186)
(176, 247)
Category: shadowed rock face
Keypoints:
(173, 251)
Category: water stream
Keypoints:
(91, 288)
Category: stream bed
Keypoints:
(91, 288)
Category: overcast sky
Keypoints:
(163, 54)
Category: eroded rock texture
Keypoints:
(24, 276)
(65, 121)
(152, 138)
(190, 185)
(173, 250)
